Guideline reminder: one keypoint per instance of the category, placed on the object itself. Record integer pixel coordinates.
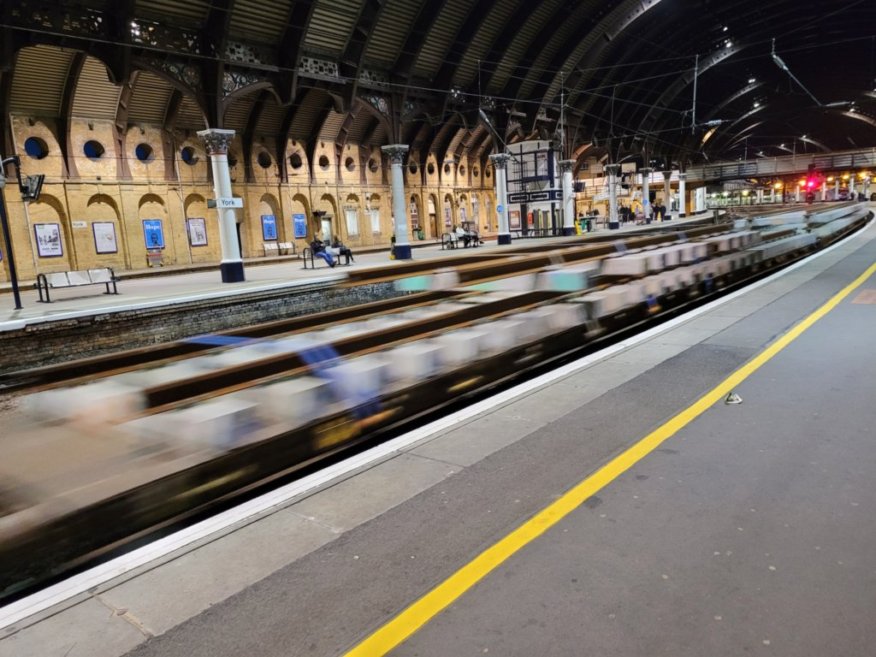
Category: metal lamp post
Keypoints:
(30, 190)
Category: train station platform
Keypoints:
(617, 505)
(158, 287)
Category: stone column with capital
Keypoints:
(396, 153)
(667, 195)
(500, 171)
(682, 195)
(612, 170)
(217, 142)
(836, 184)
(646, 192)
(824, 190)
(852, 185)
(566, 166)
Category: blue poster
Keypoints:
(269, 227)
(299, 225)
(154, 233)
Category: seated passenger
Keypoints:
(462, 235)
(345, 251)
(319, 250)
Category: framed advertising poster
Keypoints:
(153, 233)
(269, 227)
(48, 239)
(104, 237)
(197, 231)
(514, 219)
(446, 215)
(299, 226)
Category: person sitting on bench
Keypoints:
(345, 251)
(318, 248)
(463, 235)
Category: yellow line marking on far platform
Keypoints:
(406, 623)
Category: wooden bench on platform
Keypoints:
(57, 280)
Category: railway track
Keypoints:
(475, 269)
(69, 520)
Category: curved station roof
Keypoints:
(670, 80)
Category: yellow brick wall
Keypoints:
(96, 194)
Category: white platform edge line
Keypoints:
(103, 573)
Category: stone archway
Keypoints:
(48, 222)
(110, 235)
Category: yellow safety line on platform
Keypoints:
(423, 610)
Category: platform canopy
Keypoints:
(620, 74)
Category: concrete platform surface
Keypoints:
(744, 533)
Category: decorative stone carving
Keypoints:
(217, 141)
(396, 153)
(500, 160)
(567, 165)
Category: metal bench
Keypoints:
(307, 255)
(103, 275)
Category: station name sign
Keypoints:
(225, 203)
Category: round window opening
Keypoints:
(323, 162)
(487, 173)
(462, 171)
(430, 168)
(188, 155)
(296, 161)
(232, 160)
(144, 152)
(93, 150)
(36, 148)
(475, 172)
(264, 159)
(446, 168)
(372, 165)
(350, 164)
(412, 167)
